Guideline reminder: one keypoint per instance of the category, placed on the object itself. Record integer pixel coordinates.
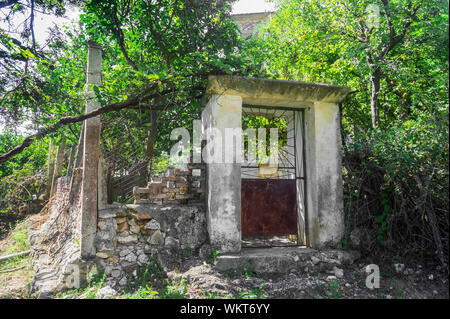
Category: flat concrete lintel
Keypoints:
(274, 92)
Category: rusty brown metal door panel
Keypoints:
(269, 207)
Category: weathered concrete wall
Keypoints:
(325, 217)
(248, 22)
(223, 179)
(129, 234)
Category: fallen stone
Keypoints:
(106, 293)
(338, 272)
(123, 281)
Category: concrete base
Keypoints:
(282, 260)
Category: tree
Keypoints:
(167, 47)
(359, 43)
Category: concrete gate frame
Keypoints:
(224, 99)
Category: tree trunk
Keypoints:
(150, 146)
(374, 99)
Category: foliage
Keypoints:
(395, 172)
(256, 293)
(330, 41)
(395, 176)
(20, 243)
(396, 187)
(213, 255)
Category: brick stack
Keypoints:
(176, 186)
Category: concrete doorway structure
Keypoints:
(273, 201)
(227, 99)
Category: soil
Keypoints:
(399, 280)
(14, 284)
(415, 282)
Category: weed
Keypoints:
(175, 290)
(333, 290)
(213, 255)
(187, 252)
(142, 293)
(252, 293)
(20, 241)
(249, 272)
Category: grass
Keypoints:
(95, 282)
(16, 273)
(333, 290)
(213, 255)
(19, 241)
(149, 282)
(252, 293)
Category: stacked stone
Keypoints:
(176, 186)
(128, 235)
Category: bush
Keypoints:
(396, 186)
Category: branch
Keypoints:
(132, 103)
(32, 25)
(7, 3)
(394, 38)
(121, 39)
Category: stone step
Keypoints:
(279, 260)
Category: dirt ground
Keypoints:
(14, 284)
(412, 283)
(408, 280)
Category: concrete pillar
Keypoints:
(325, 218)
(89, 201)
(50, 168)
(223, 179)
(59, 162)
(300, 183)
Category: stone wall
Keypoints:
(54, 237)
(166, 223)
(129, 234)
(175, 186)
(166, 227)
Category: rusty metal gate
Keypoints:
(273, 196)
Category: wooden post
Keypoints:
(89, 200)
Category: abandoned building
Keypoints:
(270, 216)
